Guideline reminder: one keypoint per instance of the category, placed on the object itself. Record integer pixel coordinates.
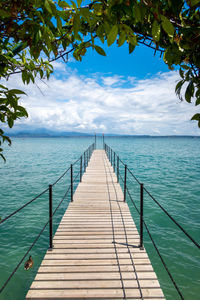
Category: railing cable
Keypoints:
(134, 176)
(163, 262)
(157, 250)
(16, 211)
(175, 222)
(147, 229)
(40, 233)
(163, 209)
(18, 265)
(34, 242)
(126, 238)
(60, 177)
(61, 200)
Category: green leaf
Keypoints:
(76, 24)
(2, 156)
(156, 31)
(15, 91)
(10, 122)
(112, 35)
(99, 50)
(197, 101)
(47, 6)
(122, 38)
(23, 111)
(189, 92)
(181, 73)
(192, 3)
(167, 26)
(137, 13)
(64, 4)
(100, 33)
(74, 4)
(132, 39)
(196, 117)
(79, 2)
(179, 86)
(3, 87)
(59, 24)
(131, 47)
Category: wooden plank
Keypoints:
(96, 253)
(92, 284)
(41, 275)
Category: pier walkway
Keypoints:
(95, 251)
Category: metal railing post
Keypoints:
(95, 141)
(87, 156)
(125, 175)
(71, 183)
(50, 217)
(141, 215)
(117, 168)
(84, 161)
(81, 162)
(103, 141)
(111, 157)
(114, 162)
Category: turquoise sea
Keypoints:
(169, 168)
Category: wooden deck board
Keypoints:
(96, 254)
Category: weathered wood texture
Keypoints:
(96, 254)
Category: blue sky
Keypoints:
(119, 93)
(141, 63)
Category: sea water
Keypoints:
(169, 167)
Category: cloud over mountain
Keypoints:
(106, 103)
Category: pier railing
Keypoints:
(75, 171)
(122, 170)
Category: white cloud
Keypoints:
(113, 104)
(111, 80)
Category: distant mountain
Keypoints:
(43, 132)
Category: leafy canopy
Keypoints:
(34, 33)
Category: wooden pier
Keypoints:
(96, 253)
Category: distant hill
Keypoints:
(45, 133)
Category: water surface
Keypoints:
(169, 169)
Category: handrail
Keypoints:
(156, 248)
(173, 220)
(42, 193)
(89, 151)
(110, 153)
(164, 210)
(16, 211)
(60, 177)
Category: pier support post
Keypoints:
(50, 218)
(117, 168)
(81, 166)
(84, 161)
(125, 175)
(141, 215)
(71, 183)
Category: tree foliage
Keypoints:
(34, 33)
